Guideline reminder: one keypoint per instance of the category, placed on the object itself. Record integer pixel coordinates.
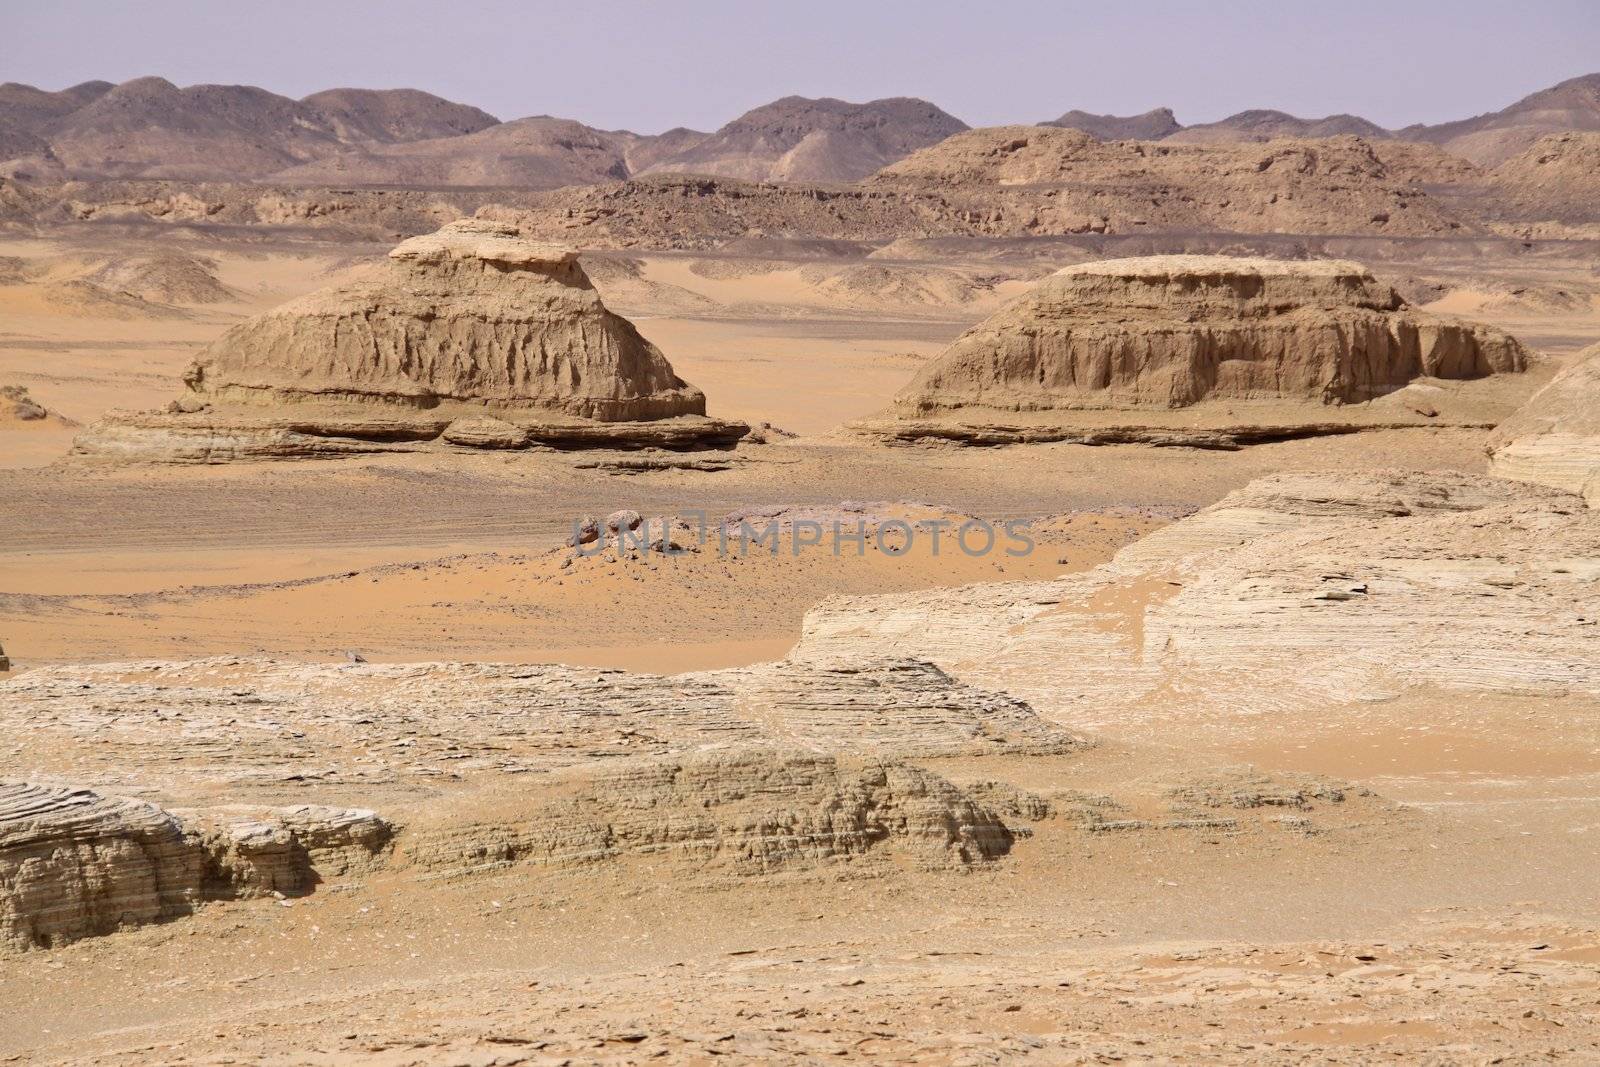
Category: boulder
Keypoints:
(618, 521)
(17, 406)
(585, 532)
(484, 431)
(19, 411)
(1200, 350)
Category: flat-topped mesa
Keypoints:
(473, 313)
(471, 337)
(1206, 346)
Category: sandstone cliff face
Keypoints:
(471, 321)
(1162, 333)
(1554, 439)
(76, 863)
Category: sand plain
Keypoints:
(1440, 908)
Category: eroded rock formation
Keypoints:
(748, 811)
(396, 722)
(471, 322)
(75, 863)
(1201, 350)
(774, 767)
(19, 410)
(1554, 439)
(1299, 589)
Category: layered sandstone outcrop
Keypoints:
(773, 767)
(1554, 439)
(1313, 589)
(470, 322)
(747, 811)
(76, 863)
(1203, 350)
(401, 722)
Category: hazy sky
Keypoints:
(648, 66)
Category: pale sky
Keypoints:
(649, 66)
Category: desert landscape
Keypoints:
(851, 584)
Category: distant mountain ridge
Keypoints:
(1153, 125)
(1571, 106)
(1267, 125)
(150, 128)
(397, 115)
(798, 139)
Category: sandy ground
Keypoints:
(613, 608)
(1444, 912)
(163, 577)
(407, 557)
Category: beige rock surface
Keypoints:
(1043, 180)
(373, 726)
(747, 811)
(751, 770)
(1227, 337)
(258, 851)
(1196, 866)
(1557, 178)
(1300, 589)
(76, 863)
(473, 312)
(1554, 439)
